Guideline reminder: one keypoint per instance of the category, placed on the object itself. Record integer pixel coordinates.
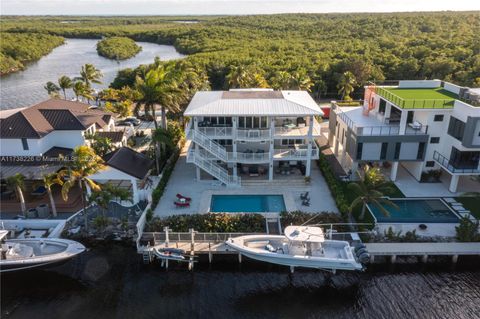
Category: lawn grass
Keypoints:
(423, 94)
(472, 204)
(419, 98)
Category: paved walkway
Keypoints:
(183, 181)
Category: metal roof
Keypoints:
(250, 102)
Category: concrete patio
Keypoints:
(410, 187)
(183, 181)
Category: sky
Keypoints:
(215, 7)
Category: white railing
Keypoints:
(296, 130)
(215, 132)
(212, 168)
(249, 157)
(208, 144)
(253, 134)
(291, 153)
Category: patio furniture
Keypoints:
(180, 196)
(415, 125)
(253, 171)
(40, 191)
(290, 126)
(306, 202)
(32, 213)
(422, 226)
(304, 196)
(43, 211)
(181, 204)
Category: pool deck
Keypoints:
(183, 181)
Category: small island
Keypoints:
(118, 48)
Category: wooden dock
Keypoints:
(196, 243)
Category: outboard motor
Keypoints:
(362, 254)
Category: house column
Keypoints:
(309, 147)
(393, 172)
(135, 195)
(272, 149)
(403, 122)
(454, 183)
(197, 148)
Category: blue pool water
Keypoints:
(415, 211)
(247, 203)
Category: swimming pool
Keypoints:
(415, 211)
(247, 203)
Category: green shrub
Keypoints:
(467, 231)
(211, 222)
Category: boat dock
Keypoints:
(196, 244)
(423, 250)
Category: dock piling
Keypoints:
(454, 259)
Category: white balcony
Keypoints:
(294, 154)
(216, 132)
(253, 134)
(300, 130)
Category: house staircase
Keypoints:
(206, 162)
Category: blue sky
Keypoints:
(192, 7)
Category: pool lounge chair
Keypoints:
(181, 205)
(304, 196)
(180, 196)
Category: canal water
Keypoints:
(113, 283)
(25, 88)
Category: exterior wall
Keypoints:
(451, 87)
(67, 139)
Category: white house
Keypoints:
(252, 133)
(420, 125)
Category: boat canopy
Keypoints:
(304, 234)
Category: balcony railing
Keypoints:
(216, 131)
(292, 153)
(452, 167)
(415, 103)
(383, 130)
(253, 134)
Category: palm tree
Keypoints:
(161, 139)
(246, 77)
(52, 88)
(85, 163)
(346, 85)
(48, 181)
(80, 89)
(301, 80)
(17, 181)
(90, 74)
(64, 83)
(160, 87)
(281, 80)
(369, 190)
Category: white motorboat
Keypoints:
(301, 246)
(19, 254)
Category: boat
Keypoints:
(169, 253)
(301, 246)
(28, 253)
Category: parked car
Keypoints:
(129, 120)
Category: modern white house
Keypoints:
(258, 134)
(418, 125)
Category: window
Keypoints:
(397, 150)
(456, 128)
(25, 144)
(382, 106)
(434, 140)
(383, 152)
(421, 150)
(438, 118)
(241, 122)
(359, 150)
(430, 164)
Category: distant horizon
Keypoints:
(224, 7)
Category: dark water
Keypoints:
(25, 88)
(113, 283)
